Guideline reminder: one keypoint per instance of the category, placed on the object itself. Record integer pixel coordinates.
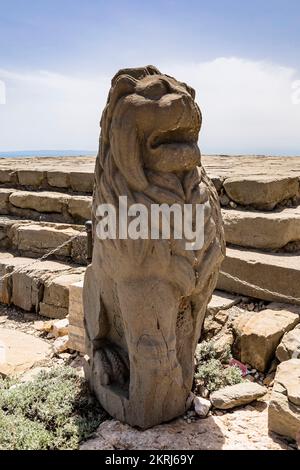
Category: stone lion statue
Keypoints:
(145, 299)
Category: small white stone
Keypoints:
(201, 406)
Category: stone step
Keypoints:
(63, 174)
(261, 182)
(279, 273)
(45, 205)
(37, 286)
(263, 230)
(34, 239)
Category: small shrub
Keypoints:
(210, 374)
(54, 411)
(205, 351)
(226, 355)
(232, 375)
(210, 370)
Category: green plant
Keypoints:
(210, 370)
(232, 375)
(205, 351)
(53, 411)
(210, 374)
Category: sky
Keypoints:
(243, 59)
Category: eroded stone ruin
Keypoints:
(145, 300)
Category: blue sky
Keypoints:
(243, 58)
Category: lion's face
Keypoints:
(154, 124)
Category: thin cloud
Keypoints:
(247, 106)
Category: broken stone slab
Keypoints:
(268, 230)
(28, 285)
(284, 407)
(30, 238)
(37, 239)
(237, 395)
(261, 192)
(258, 334)
(279, 273)
(8, 263)
(221, 301)
(56, 291)
(26, 288)
(289, 346)
(20, 351)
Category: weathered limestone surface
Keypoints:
(289, 346)
(279, 273)
(42, 287)
(284, 408)
(245, 429)
(263, 230)
(29, 238)
(262, 193)
(46, 205)
(56, 293)
(15, 359)
(145, 300)
(39, 201)
(221, 301)
(237, 395)
(258, 334)
(56, 171)
(68, 173)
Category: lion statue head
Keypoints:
(151, 121)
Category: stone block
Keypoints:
(258, 334)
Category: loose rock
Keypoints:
(258, 334)
(60, 327)
(202, 406)
(289, 346)
(284, 408)
(60, 344)
(237, 395)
